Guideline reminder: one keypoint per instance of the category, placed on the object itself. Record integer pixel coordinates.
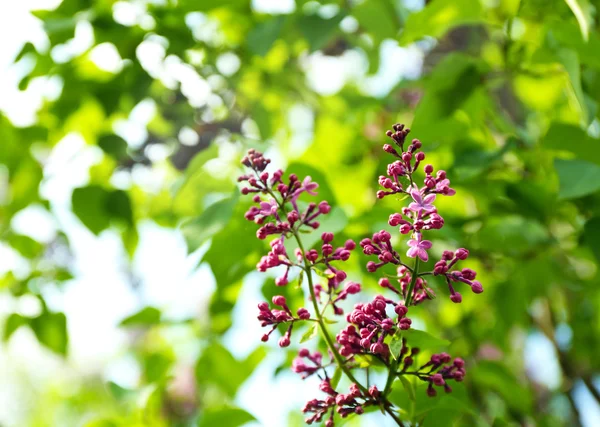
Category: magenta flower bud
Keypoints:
(428, 169)
(312, 255)
(327, 249)
(265, 338)
(284, 341)
(438, 379)
(447, 255)
(461, 253)
(352, 288)
(279, 300)
(371, 267)
(416, 143)
(340, 275)
(408, 361)
(384, 282)
(401, 310)
(404, 324)
(387, 256)
(459, 363)
(327, 237)
(324, 207)
(431, 391)
(441, 175)
(292, 217)
(420, 156)
(344, 255)
(456, 297)
(303, 352)
(405, 228)
(359, 410)
(281, 281)
(430, 182)
(376, 348)
(406, 157)
(389, 149)
(350, 245)
(263, 306)
(329, 423)
(380, 194)
(476, 287)
(395, 219)
(303, 314)
(384, 236)
(245, 191)
(468, 274)
(374, 392)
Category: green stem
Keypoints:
(394, 416)
(324, 330)
(391, 377)
(411, 287)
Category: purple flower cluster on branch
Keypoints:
(372, 328)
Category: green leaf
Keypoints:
(225, 416)
(113, 145)
(495, 376)
(12, 323)
(51, 331)
(572, 139)
(25, 245)
(146, 317)
(210, 222)
(580, 9)
(440, 16)
(378, 18)
(423, 340)
(262, 36)
(591, 235)
(96, 207)
(408, 387)
(312, 332)
(395, 346)
(218, 368)
(318, 31)
(157, 365)
(335, 379)
(577, 178)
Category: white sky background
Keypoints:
(101, 294)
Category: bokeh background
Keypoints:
(127, 284)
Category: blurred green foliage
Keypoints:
(507, 102)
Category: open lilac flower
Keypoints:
(418, 247)
(307, 185)
(421, 203)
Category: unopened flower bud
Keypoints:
(461, 253)
(456, 297)
(279, 300)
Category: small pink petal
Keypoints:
(422, 254)
(412, 252)
(425, 244)
(416, 196)
(429, 199)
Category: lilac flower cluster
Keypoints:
(436, 372)
(371, 326)
(275, 317)
(352, 402)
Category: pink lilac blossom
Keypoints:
(370, 327)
